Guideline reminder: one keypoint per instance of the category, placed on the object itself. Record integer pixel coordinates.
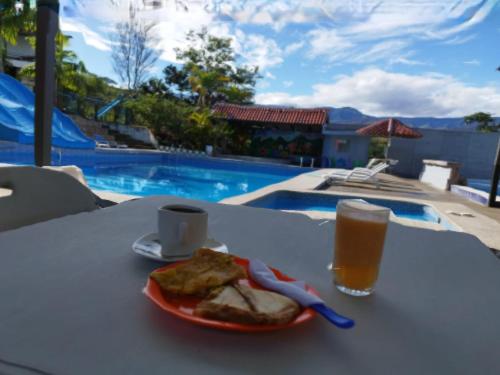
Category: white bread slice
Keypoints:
(269, 307)
(242, 304)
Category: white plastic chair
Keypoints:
(40, 194)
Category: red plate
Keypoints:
(183, 307)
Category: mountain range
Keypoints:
(349, 115)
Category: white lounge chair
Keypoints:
(40, 194)
(102, 144)
(358, 175)
(344, 172)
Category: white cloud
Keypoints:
(269, 75)
(276, 14)
(335, 48)
(293, 47)
(369, 18)
(172, 24)
(257, 50)
(367, 31)
(482, 10)
(351, 31)
(90, 37)
(262, 84)
(457, 40)
(287, 83)
(382, 18)
(327, 43)
(405, 60)
(475, 62)
(383, 93)
(384, 50)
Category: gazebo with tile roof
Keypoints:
(280, 118)
(277, 132)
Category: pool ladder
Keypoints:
(302, 162)
(59, 154)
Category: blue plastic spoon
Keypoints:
(330, 315)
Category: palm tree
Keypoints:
(68, 68)
(12, 24)
(207, 84)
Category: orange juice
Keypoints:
(359, 243)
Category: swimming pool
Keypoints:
(143, 172)
(289, 200)
(483, 185)
(196, 178)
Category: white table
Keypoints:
(71, 301)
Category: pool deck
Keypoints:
(484, 222)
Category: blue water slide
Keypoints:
(17, 118)
(108, 107)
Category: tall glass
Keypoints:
(359, 243)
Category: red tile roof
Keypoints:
(389, 127)
(310, 118)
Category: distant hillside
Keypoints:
(348, 115)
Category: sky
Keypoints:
(385, 58)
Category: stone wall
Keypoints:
(473, 150)
(139, 133)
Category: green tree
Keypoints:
(132, 54)
(204, 128)
(484, 121)
(92, 93)
(68, 67)
(166, 118)
(177, 80)
(78, 90)
(211, 72)
(12, 24)
(155, 86)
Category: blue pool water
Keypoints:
(287, 200)
(212, 179)
(196, 178)
(145, 173)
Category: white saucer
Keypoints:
(149, 246)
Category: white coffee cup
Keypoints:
(182, 229)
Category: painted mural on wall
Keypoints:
(276, 144)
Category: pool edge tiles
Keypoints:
(472, 194)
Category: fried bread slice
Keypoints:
(269, 307)
(226, 304)
(243, 304)
(207, 269)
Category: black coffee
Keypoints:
(188, 210)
